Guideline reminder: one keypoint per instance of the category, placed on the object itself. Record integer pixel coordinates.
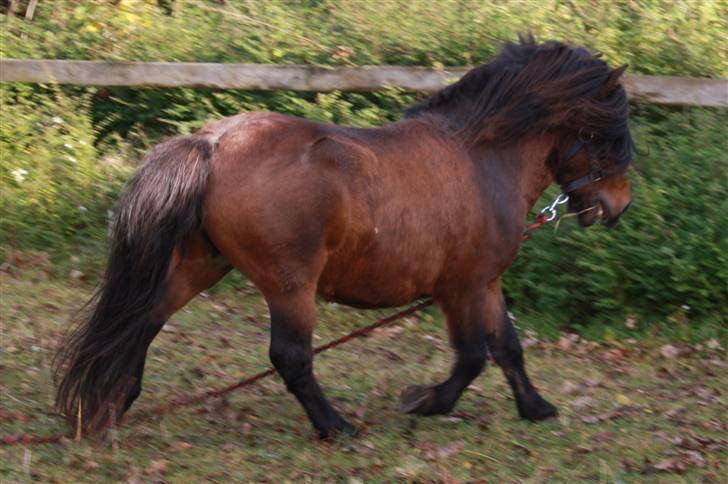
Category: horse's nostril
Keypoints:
(612, 220)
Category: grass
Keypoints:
(630, 411)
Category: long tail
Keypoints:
(161, 205)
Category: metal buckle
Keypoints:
(560, 199)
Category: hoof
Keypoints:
(418, 399)
(342, 427)
(536, 408)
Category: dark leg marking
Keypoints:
(476, 328)
(508, 353)
(469, 341)
(292, 356)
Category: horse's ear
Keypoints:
(612, 81)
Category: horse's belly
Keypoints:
(372, 282)
(369, 296)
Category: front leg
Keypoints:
(477, 322)
(468, 338)
(506, 349)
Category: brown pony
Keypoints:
(432, 205)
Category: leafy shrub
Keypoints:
(667, 37)
(55, 188)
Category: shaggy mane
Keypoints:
(532, 88)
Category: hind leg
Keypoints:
(194, 268)
(292, 321)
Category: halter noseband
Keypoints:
(582, 141)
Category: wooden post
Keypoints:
(12, 7)
(31, 10)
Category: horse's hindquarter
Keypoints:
(372, 216)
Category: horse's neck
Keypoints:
(520, 171)
(523, 169)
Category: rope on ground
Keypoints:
(29, 439)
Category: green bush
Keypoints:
(55, 187)
(655, 37)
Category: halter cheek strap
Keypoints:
(575, 148)
(594, 176)
(581, 182)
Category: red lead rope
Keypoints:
(541, 220)
(186, 402)
(28, 439)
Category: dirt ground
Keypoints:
(634, 411)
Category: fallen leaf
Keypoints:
(670, 352)
(569, 388)
(684, 461)
(582, 403)
(602, 417)
(605, 436)
(342, 52)
(707, 394)
(714, 344)
(134, 476)
(433, 453)
(666, 373)
(76, 275)
(717, 362)
(673, 413)
(622, 399)
(179, 446)
(667, 465)
(449, 450)
(592, 382)
(566, 342)
(694, 458)
(614, 355)
(157, 466)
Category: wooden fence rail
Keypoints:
(265, 77)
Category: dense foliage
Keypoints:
(65, 152)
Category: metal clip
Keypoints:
(551, 208)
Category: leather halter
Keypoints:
(583, 141)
